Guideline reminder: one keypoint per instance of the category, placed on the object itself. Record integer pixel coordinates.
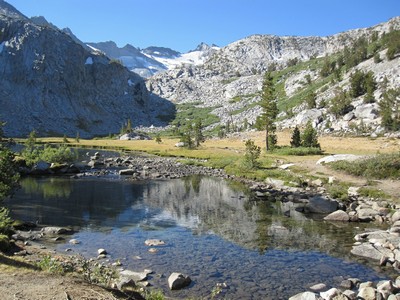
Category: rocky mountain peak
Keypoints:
(10, 11)
(51, 84)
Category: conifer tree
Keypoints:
(296, 138)
(266, 121)
(198, 133)
(310, 138)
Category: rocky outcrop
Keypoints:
(51, 84)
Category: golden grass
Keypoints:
(219, 148)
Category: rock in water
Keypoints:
(177, 281)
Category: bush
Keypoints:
(380, 166)
(8, 173)
(61, 154)
(5, 221)
(299, 151)
(4, 243)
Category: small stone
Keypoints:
(347, 284)
(352, 295)
(154, 242)
(153, 250)
(74, 241)
(320, 287)
(101, 251)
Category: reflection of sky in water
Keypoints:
(213, 230)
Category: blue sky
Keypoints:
(183, 24)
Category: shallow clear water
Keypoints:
(213, 229)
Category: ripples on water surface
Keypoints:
(214, 232)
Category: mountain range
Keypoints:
(56, 84)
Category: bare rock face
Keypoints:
(51, 84)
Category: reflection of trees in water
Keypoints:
(50, 187)
(229, 211)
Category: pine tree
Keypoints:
(198, 133)
(187, 136)
(310, 138)
(266, 121)
(252, 154)
(296, 138)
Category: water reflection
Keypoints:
(213, 228)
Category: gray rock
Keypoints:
(338, 157)
(370, 251)
(154, 242)
(126, 283)
(385, 287)
(319, 287)
(51, 230)
(321, 205)
(396, 216)
(101, 251)
(366, 293)
(305, 296)
(330, 294)
(177, 281)
(352, 295)
(126, 172)
(136, 276)
(339, 215)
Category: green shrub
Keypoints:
(61, 154)
(299, 151)
(4, 243)
(380, 166)
(8, 173)
(5, 221)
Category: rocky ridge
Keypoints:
(51, 84)
(230, 80)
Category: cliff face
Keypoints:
(51, 84)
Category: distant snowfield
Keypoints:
(191, 58)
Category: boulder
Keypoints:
(396, 216)
(51, 230)
(366, 293)
(370, 251)
(177, 281)
(338, 215)
(330, 294)
(136, 276)
(368, 111)
(321, 205)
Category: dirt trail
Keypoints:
(388, 186)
